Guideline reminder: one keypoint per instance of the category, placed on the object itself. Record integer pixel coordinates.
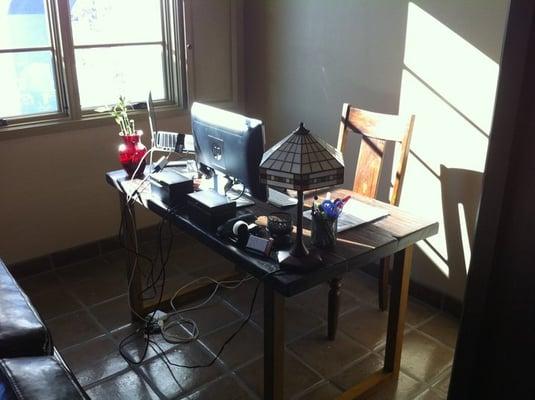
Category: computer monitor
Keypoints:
(231, 144)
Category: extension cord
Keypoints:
(156, 324)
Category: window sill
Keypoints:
(62, 124)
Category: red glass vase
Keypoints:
(131, 153)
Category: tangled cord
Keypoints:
(230, 184)
(228, 340)
(175, 319)
(149, 323)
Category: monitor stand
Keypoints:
(232, 194)
(242, 201)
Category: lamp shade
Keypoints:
(302, 161)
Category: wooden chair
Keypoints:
(375, 130)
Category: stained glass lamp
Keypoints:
(301, 162)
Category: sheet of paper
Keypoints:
(355, 213)
(279, 199)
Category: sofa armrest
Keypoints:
(43, 378)
(22, 332)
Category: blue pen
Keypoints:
(330, 208)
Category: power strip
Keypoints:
(170, 141)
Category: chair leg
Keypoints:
(384, 269)
(334, 307)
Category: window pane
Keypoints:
(106, 73)
(28, 84)
(23, 23)
(116, 21)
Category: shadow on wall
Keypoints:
(461, 190)
(450, 85)
(437, 59)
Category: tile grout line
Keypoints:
(108, 333)
(439, 379)
(139, 370)
(110, 336)
(328, 379)
(301, 395)
(298, 337)
(434, 339)
(227, 369)
(375, 351)
(230, 372)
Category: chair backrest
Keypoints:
(376, 130)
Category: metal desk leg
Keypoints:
(273, 344)
(398, 307)
(135, 281)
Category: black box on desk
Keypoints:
(210, 209)
(171, 187)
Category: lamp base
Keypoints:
(303, 263)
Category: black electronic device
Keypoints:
(230, 144)
(209, 208)
(241, 229)
(228, 229)
(259, 245)
(171, 187)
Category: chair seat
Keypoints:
(22, 332)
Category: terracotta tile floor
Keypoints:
(86, 308)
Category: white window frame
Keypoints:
(69, 111)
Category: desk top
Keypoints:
(354, 248)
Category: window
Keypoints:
(63, 58)
(27, 60)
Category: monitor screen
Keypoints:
(231, 144)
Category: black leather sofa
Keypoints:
(30, 366)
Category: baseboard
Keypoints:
(34, 266)
(426, 294)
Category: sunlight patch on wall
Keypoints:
(467, 252)
(460, 73)
(422, 195)
(450, 85)
(441, 135)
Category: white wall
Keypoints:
(54, 195)
(439, 59)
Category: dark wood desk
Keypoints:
(395, 234)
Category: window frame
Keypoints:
(70, 112)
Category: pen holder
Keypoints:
(323, 231)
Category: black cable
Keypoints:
(235, 182)
(229, 339)
(153, 282)
(122, 242)
(126, 340)
(146, 329)
(167, 365)
(150, 282)
(148, 324)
